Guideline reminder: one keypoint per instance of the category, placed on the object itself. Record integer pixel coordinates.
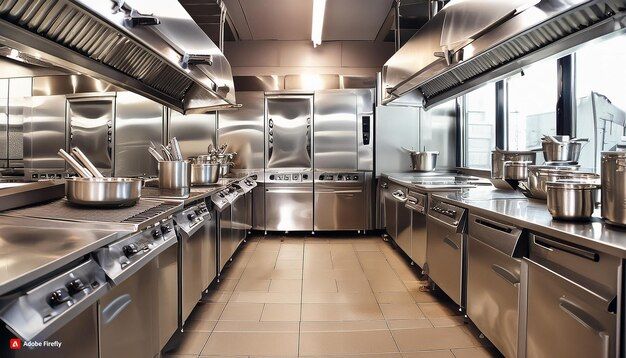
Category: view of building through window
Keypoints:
(480, 126)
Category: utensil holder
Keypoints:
(175, 176)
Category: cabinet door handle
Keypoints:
(507, 275)
(450, 243)
(580, 315)
(119, 304)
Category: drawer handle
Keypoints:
(494, 226)
(552, 246)
(450, 243)
(507, 275)
(582, 317)
(110, 312)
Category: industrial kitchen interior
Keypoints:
(312, 178)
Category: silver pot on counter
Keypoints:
(174, 176)
(613, 199)
(539, 176)
(205, 173)
(572, 199)
(561, 148)
(516, 170)
(422, 161)
(500, 157)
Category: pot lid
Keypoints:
(575, 184)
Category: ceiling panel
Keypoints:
(354, 19)
(291, 19)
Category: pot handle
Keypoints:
(407, 149)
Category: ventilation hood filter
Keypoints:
(153, 48)
(471, 42)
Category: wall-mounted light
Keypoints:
(317, 24)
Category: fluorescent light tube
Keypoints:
(317, 24)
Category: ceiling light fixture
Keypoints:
(317, 26)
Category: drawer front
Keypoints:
(492, 294)
(444, 254)
(564, 319)
(418, 238)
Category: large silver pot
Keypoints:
(175, 175)
(103, 192)
(561, 148)
(613, 172)
(540, 175)
(423, 161)
(516, 170)
(204, 174)
(499, 157)
(572, 199)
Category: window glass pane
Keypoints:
(532, 105)
(480, 126)
(600, 97)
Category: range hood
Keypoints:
(153, 48)
(471, 42)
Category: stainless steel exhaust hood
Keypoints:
(470, 42)
(153, 48)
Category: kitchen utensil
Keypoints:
(86, 162)
(613, 172)
(78, 168)
(564, 149)
(571, 199)
(166, 153)
(204, 173)
(540, 175)
(155, 153)
(175, 148)
(499, 157)
(175, 175)
(103, 192)
(225, 168)
(516, 170)
(422, 161)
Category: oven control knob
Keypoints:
(166, 229)
(130, 250)
(191, 216)
(305, 176)
(58, 297)
(75, 286)
(356, 177)
(156, 234)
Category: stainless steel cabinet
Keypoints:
(258, 204)
(289, 207)
(288, 122)
(565, 311)
(445, 247)
(225, 236)
(167, 297)
(128, 325)
(44, 135)
(339, 206)
(493, 279)
(90, 122)
(195, 132)
(335, 130)
(403, 218)
(417, 203)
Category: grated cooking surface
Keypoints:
(63, 210)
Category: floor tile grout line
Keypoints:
(378, 303)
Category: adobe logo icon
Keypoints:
(15, 343)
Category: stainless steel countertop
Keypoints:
(514, 208)
(31, 248)
(408, 179)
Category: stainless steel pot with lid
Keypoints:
(613, 170)
(540, 175)
(562, 148)
(499, 157)
(572, 199)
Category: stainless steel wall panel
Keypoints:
(44, 135)
(288, 137)
(438, 133)
(395, 127)
(138, 121)
(4, 123)
(90, 123)
(69, 84)
(20, 90)
(335, 132)
(243, 130)
(194, 132)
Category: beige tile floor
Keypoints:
(341, 296)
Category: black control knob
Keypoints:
(356, 177)
(191, 216)
(58, 297)
(130, 250)
(166, 229)
(156, 234)
(75, 286)
(305, 176)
